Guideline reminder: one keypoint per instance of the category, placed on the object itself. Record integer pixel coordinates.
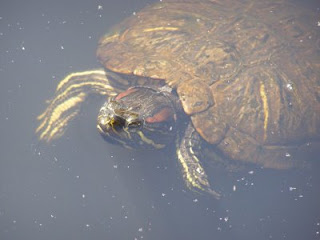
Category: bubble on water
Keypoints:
(292, 188)
(289, 86)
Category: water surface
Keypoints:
(80, 187)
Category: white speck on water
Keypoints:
(163, 194)
(289, 86)
(140, 229)
(14, 221)
(234, 188)
(115, 166)
(83, 195)
(87, 225)
(288, 155)
(292, 188)
(226, 219)
(134, 13)
(318, 24)
(251, 172)
(62, 47)
(77, 176)
(100, 7)
(23, 48)
(195, 200)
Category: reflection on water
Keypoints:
(81, 187)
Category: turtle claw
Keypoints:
(213, 193)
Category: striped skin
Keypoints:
(66, 103)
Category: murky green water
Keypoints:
(80, 187)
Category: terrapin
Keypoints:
(240, 78)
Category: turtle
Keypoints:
(235, 79)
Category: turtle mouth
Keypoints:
(115, 121)
(108, 124)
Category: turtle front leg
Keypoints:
(193, 172)
(65, 105)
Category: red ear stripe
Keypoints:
(160, 116)
(125, 93)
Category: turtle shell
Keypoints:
(247, 72)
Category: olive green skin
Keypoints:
(246, 72)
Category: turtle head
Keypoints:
(138, 117)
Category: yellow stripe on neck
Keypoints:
(265, 109)
(149, 141)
